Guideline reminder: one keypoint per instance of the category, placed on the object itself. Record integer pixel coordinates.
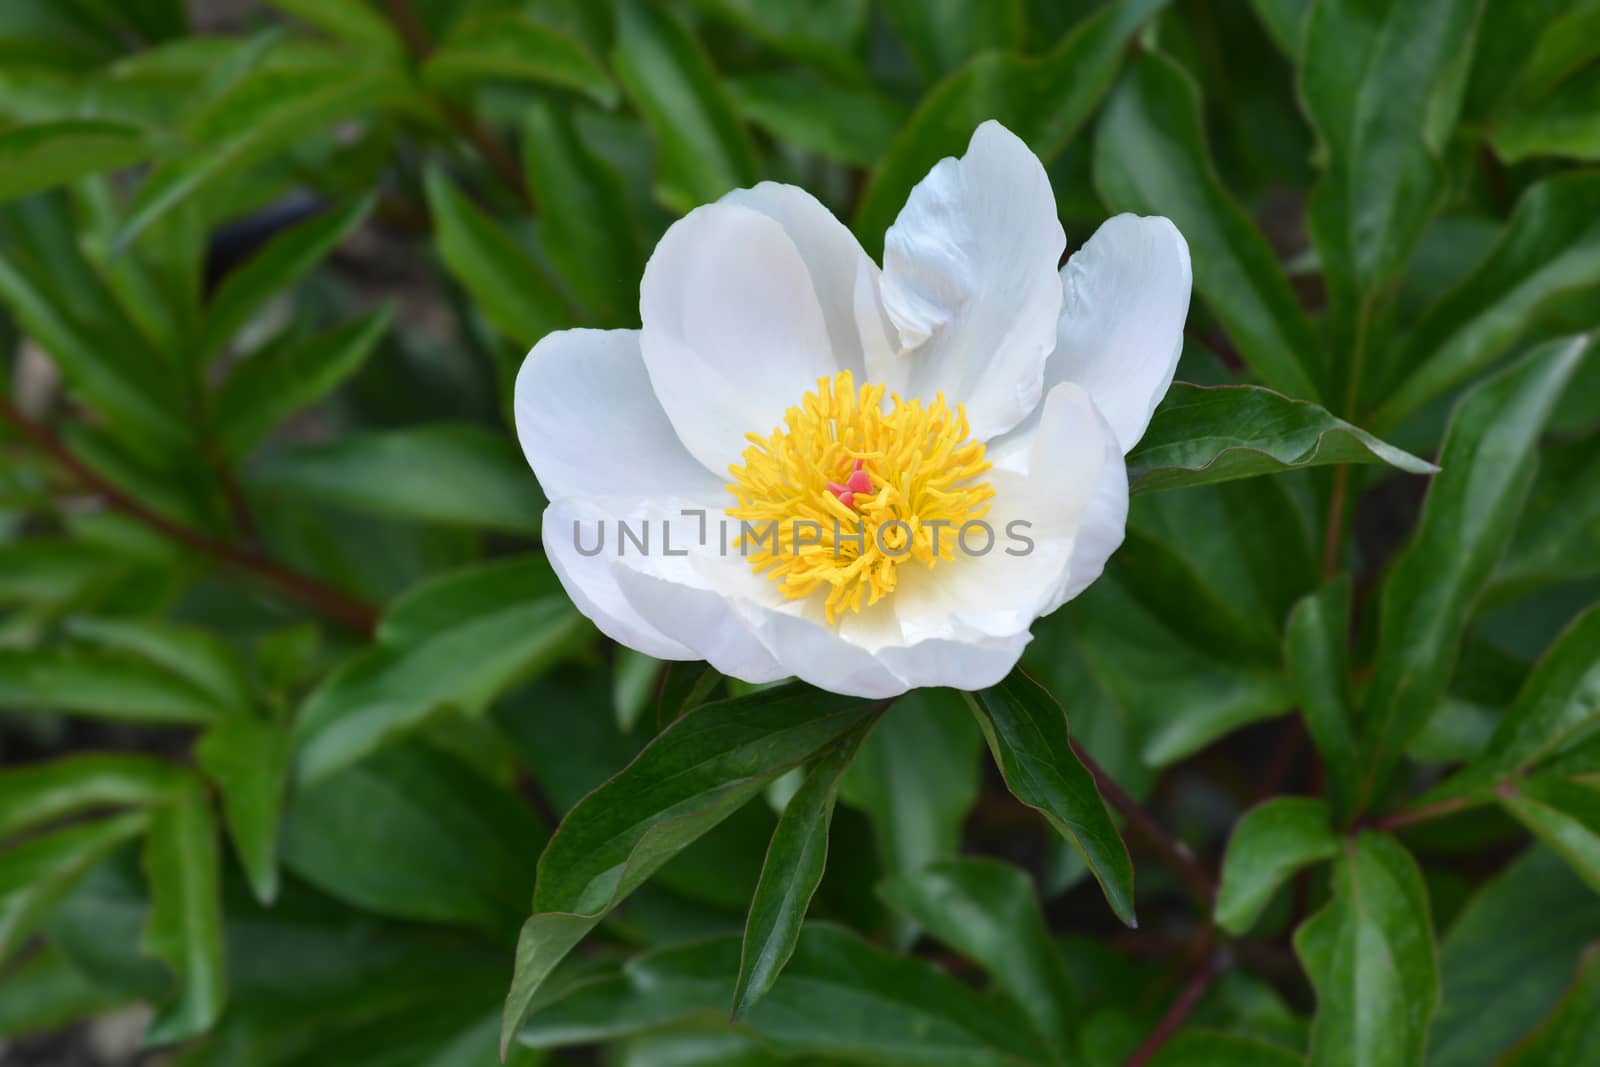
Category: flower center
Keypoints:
(844, 493)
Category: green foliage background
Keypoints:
(292, 703)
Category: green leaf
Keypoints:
(1550, 249)
(696, 773)
(1270, 844)
(197, 656)
(512, 46)
(1205, 434)
(941, 35)
(184, 930)
(36, 874)
(1564, 813)
(1570, 1037)
(1559, 539)
(1383, 101)
(840, 997)
(109, 685)
(1317, 647)
(634, 680)
(592, 238)
(417, 834)
(41, 155)
(1151, 157)
(821, 33)
(266, 388)
(1470, 513)
(509, 288)
(284, 260)
(48, 993)
(354, 21)
(448, 474)
(1283, 20)
(55, 570)
(1505, 961)
(702, 149)
(1371, 958)
(247, 759)
(1027, 733)
(1072, 77)
(987, 911)
(41, 793)
(847, 122)
(1202, 1048)
(793, 869)
(1566, 122)
(457, 641)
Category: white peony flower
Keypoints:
(775, 473)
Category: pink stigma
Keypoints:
(858, 482)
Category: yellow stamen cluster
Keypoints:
(924, 471)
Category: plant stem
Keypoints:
(1333, 533)
(336, 605)
(1401, 819)
(1196, 988)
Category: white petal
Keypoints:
(733, 334)
(590, 424)
(970, 284)
(833, 257)
(969, 664)
(1126, 294)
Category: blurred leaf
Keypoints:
(108, 685)
(40, 793)
(1205, 434)
(270, 386)
(35, 157)
(941, 35)
(354, 21)
(449, 474)
(458, 640)
(55, 570)
(1151, 157)
(197, 656)
(184, 930)
(247, 759)
(417, 834)
(634, 681)
(591, 235)
(1270, 844)
(1564, 123)
(1027, 733)
(987, 911)
(47, 993)
(1507, 958)
(1371, 958)
(1284, 21)
(505, 283)
(793, 869)
(1559, 538)
(510, 45)
(702, 151)
(696, 773)
(1317, 650)
(41, 870)
(1471, 511)
(282, 262)
(1550, 248)
(1072, 77)
(1570, 1037)
(846, 122)
(1563, 811)
(820, 32)
(1201, 1048)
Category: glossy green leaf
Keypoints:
(1370, 956)
(941, 35)
(284, 260)
(1471, 511)
(108, 685)
(1205, 434)
(197, 656)
(696, 773)
(1073, 77)
(1564, 813)
(987, 911)
(507, 286)
(1151, 157)
(457, 641)
(1270, 844)
(36, 874)
(269, 386)
(247, 760)
(417, 834)
(1027, 734)
(793, 869)
(39, 793)
(1317, 651)
(1508, 957)
(45, 154)
(510, 45)
(1201, 1048)
(1551, 248)
(702, 150)
(184, 930)
(1383, 102)
(1570, 1037)
(846, 122)
(449, 474)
